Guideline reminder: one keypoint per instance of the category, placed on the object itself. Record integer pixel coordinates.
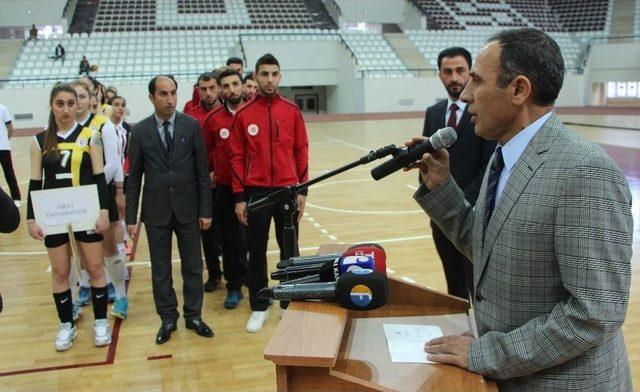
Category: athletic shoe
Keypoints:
(111, 291)
(101, 332)
(65, 337)
(256, 321)
(120, 307)
(76, 312)
(233, 297)
(18, 203)
(84, 296)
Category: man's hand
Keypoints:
(205, 223)
(449, 349)
(241, 213)
(212, 177)
(131, 229)
(302, 202)
(434, 167)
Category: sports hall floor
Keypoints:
(349, 208)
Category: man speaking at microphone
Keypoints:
(469, 156)
(550, 235)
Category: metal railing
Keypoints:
(353, 56)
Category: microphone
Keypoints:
(326, 272)
(324, 276)
(374, 250)
(443, 138)
(362, 289)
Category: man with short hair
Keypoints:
(236, 64)
(217, 130)
(6, 132)
(167, 148)
(249, 86)
(59, 53)
(209, 91)
(469, 157)
(269, 151)
(550, 235)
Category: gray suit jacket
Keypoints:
(553, 274)
(176, 184)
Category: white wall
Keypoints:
(401, 94)
(372, 11)
(302, 63)
(28, 12)
(624, 67)
(347, 96)
(412, 18)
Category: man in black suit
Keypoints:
(468, 156)
(167, 147)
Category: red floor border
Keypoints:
(111, 353)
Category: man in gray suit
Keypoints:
(550, 234)
(167, 147)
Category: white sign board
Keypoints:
(57, 209)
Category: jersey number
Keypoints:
(66, 154)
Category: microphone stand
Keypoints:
(285, 197)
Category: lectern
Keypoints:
(320, 346)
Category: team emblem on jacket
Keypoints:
(82, 142)
(253, 129)
(224, 133)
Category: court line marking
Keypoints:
(408, 279)
(357, 212)
(413, 187)
(347, 143)
(111, 353)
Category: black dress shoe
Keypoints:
(164, 333)
(200, 327)
(211, 285)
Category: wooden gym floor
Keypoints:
(349, 208)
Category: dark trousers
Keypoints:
(234, 249)
(458, 270)
(211, 247)
(257, 238)
(9, 174)
(164, 296)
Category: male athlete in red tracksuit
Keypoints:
(269, 150)
(207, 100)
(217, 131)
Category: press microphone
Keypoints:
(443, 138)
(374, 250)
(325, 276)
(328, 271)
(362, 289)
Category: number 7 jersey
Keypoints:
(72, 166)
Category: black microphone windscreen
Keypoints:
(362, 290)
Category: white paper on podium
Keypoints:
(57, 209)
(406, 341)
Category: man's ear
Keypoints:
(521, 89)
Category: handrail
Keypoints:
(54, 80)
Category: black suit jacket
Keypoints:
(176, 184)
(468, 156)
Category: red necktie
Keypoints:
(453, 118)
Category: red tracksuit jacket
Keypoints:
(217, 131)
(269, 145)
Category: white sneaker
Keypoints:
(65, 337)
(256, 321)
(101, 332)
(18, 203)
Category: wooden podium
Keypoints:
(320, 346)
